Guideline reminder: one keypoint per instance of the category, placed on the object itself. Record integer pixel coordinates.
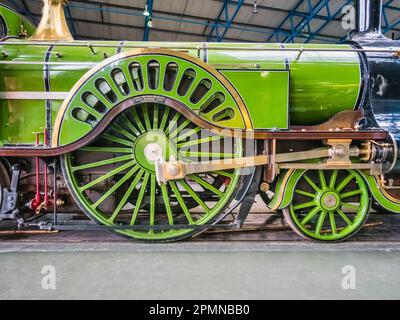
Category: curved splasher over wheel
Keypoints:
(147, 76)
(113, 179)
(328, 205)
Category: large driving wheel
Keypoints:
(113, 179)
(328, 205)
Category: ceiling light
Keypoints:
(146, 12)
(150, 23)
(255, 9)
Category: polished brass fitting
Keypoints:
(53, 25)
(264, 186)
(60, 202)
(365, 151)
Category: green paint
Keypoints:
(13, 22)
(322, 83)
(74, 129)
(63, 78)
(22, 117)
(318, 89)
(376, 191)
(225, 58)
(268, 105)
(328, 199)
(158, 140)
(288, 187)
(180, 202)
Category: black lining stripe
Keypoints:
(49, 102)
(363, 98)
(119, 49)
(286, 58)
(5, 28)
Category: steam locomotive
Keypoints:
(160, 141)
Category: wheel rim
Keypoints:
(329, 205)
(114, 182)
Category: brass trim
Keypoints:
(282, 190)
(340, 155)
(145, 51)
(390, 197)
(344, 120)
(384, 192)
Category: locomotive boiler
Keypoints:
(160, 141)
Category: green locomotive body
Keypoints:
(304, 91)
(159, 141)
(12, 25)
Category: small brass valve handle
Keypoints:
(41, 207)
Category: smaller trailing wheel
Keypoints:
(328, 205)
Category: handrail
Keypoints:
(203, 47)
(50, 63)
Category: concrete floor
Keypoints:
(252, 265)
(200, 270)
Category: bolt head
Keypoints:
(340, 151)
(264, 186)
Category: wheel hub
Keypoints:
(151, 146)
(153, 151)
(330, 201)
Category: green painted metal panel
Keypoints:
(289, 188)
(21, 118)
(322, 83)
(13, 22)
(379, 195)
(280, 184)
(265, 94)
(63, 77)
(284, 190)
(245, 59)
